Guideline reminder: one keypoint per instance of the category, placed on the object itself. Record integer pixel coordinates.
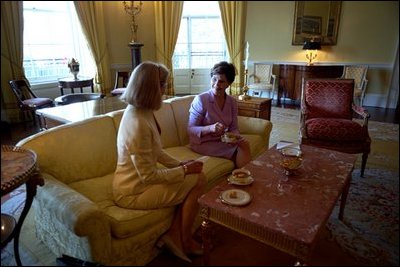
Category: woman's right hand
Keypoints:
(217, 129)
(194, 167)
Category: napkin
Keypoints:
(283, 144)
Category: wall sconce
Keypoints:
(311, 48)
(133, 10)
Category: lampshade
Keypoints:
(312, 45)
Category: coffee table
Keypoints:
(54, 116)
(285, 212)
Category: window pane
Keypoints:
(201, 40)
(181, 59)
(52, 36)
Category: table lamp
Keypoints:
(311, 48)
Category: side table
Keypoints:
(18, 166)
(70, 82)
(255, 107)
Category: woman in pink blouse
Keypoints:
(212, 114)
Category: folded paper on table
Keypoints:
(283, 144)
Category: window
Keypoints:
(201, 41)
(52, 36)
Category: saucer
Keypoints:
(235, 197)
(248, 180)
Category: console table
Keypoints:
(71, 83)
(291, 76)
(18, 167)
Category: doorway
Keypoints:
(200, 45)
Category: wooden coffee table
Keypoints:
(287, 214)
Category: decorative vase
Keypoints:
(75, 70)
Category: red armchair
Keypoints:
(327, 112)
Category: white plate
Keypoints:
(247, 181)
(290, 151)
(241, 197)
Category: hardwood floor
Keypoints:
(12, 133)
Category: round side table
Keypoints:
(71, 83)
(18, 167)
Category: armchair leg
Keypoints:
(363, 163)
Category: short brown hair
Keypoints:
(143, 89)
(223, 67)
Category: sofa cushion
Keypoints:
(124, 222)
(257, 144)
(214, 168)
(166, 120)
(180, 107)
(85, 147)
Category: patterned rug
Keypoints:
(369, 233)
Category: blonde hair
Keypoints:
(144, 86)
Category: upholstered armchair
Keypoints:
(359, 74)
(327, 112)
(264, 82)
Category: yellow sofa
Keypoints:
(74, 210)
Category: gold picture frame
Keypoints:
(317, 20)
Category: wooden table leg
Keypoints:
(344, 198)
(206, 236)
(31, 186)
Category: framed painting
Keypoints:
(311, 24)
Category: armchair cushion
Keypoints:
(335, 130)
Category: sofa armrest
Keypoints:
(77, 212)
(250, 125)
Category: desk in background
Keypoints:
(71, 83)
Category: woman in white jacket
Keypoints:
(138, 182)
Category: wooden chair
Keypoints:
(326, 121)
(27, 101)
(121, 81)
(359, 74)
(264, 82)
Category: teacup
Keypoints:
(240, 174)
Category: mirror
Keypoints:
(318, 20)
